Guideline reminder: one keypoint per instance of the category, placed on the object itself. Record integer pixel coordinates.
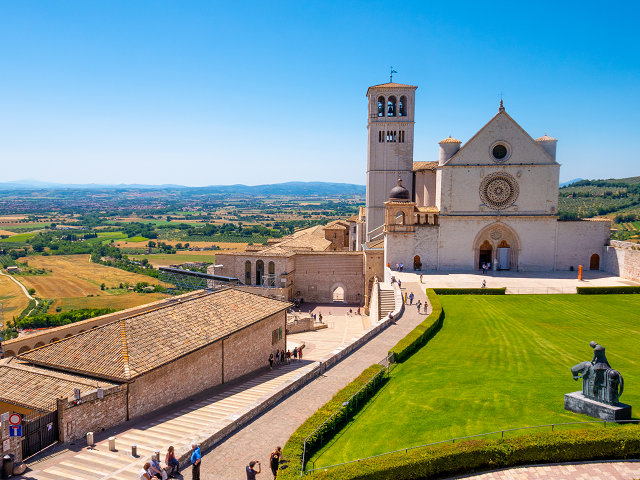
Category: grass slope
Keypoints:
(499, 362)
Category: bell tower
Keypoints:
(389, 147)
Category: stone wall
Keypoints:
(623, 259)
(579, 241)
(403, 247)
(93, 414)
(318, 274)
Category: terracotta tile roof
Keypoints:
(450, 140)
(127, 348)
(428, 209)
(38, 388)
(546, 138)
(391, 85)
(354, 218)
(375, 243)
(336, 225)
(417, 166)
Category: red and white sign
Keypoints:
(15, 419)
(6, 445)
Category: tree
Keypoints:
(186, 245)
(32, 291)
(178, 246)
(102, 286)
(151, 244)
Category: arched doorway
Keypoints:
(417, 264)
(503, 255)
(247, 273)
(594, 264)
(337, 295)
(259, 272)
(486, 250)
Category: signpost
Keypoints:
(6, 445)
(100, 393)
(15, 419)
(76, 393)
(15, 430)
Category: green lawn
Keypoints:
(498, 362)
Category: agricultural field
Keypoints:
(118, 300)
(74, 276)
(6, 232)
(498, 362)
(21, 238)
(12, 298)
(182, 256)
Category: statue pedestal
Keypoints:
(578, 403)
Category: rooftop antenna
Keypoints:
(391, 75)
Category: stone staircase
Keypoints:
(386, 302)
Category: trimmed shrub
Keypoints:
(293, 449)
(422, 332)
(465, 457)
(470, 291)
(606, 290)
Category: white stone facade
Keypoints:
(493, 199)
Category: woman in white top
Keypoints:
(144, 473)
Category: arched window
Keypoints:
(247, 273)
(391, 107)
(403, 106)
(23, 349)
(259, 272)
(39, 344)
(54, 339)
(272, 272)
(381, 106)
(400, 218)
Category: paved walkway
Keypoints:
(319, 343)
(516, 282)
(176, 428)
(625, 470)
(257, 440)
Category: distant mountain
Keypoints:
(564, 184)
(289, 188)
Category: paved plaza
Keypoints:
(623, 470)
(515, 282)
(342, 327)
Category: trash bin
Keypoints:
(7, 466)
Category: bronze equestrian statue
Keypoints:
(600, 382)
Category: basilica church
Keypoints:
(493, 199)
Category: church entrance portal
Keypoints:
(485, 253)
(417, 264)
(338, 295)
(594, 264)
(504, 256)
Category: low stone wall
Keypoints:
(623, 259)
(374, 310)
(93, 414)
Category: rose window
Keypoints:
(499, 190)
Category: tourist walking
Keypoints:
(144, 472)
(271, 362)
(277, 356)
(402, 267)
(399, 283)
(274, 461)
(418, 305)
(411, 298)
(173, 465)
(288, 357)
(196, 461)
(484, 284)
(300, 353)
(251, 473)
(420, 278)
(295, 353)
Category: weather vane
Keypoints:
(391, 75)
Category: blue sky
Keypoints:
(206, 93)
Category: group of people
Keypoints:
(400, 267)
(153, 469)
(274, 462)
(486, 267)
(282, 356)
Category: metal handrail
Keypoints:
(344, 405)
(453, 440)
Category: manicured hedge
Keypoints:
(421, 333)
(606, 290)
(465, 457)
(470, 291)
(293, 449)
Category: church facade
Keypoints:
(492, 200)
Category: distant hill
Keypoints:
(564, 184)
(289, 188)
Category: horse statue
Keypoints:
(600, 382)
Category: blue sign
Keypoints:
(15, 430)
